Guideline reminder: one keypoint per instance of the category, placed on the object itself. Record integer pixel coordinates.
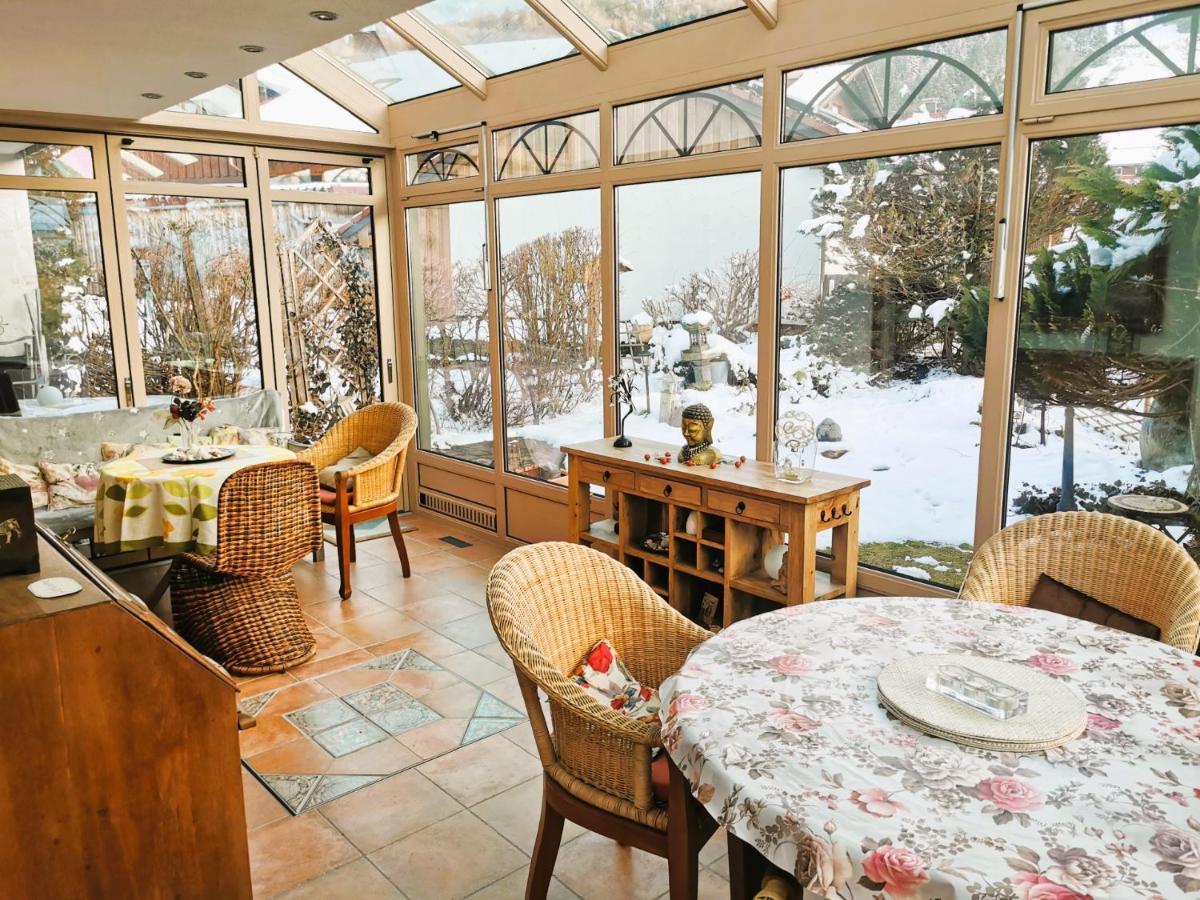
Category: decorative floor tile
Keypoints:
(405, 718)
(377, 699)
(330, 787)
(292, 790)
(252, 706)
(491, 707)
(387, 663)
(350, 736)
(414, 660)
(320, 716)
(481, 728)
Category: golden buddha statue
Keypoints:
(697, 428)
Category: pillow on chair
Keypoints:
(1054, 596)
(604, 677)
(328, 475)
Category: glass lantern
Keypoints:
(795, 447)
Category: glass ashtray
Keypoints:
(989, 696)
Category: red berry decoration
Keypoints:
(647, 457)
(712, 465)
(690, 463)
(741, 459)
(738, 464)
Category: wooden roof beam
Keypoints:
(575, 28)
(432, 44)
(767, 11)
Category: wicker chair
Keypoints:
(239, 604)
(369, 490)
(1120, 562)
(549, 603)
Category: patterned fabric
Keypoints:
(143, 502)
(32, 476)
(604, 677)
(71, 484)
(328, 475)
(777, 725)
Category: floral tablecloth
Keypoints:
(143, 502)
(777, 725)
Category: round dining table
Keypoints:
(142, 501)
(777, 725)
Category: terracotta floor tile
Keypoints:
(512, 887)
(313, 583)
(424, 866)
(358, 880)
(419, 682)
(385, 812)
(457, 701)
(440, 610)
(269, 732)
(515, 813)
(716, 848)
(435, 738)
(248, 686)
(329, 664)
(522, 736)
(261, 805)
(335, 612)
(470, 581)
(508, 690)
(377, 580)
(711, 887)
(481, 770)
(596, 868)
(430, 563)
(407, 590)
(471, 631)
(295, 696)
(496, 653)
(385, 758)
(300, 757)
(473, 667)
(329, 643)
(291, 851)
(348, 681)
(427, 643)
(384, 626)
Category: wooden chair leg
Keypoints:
(353, 545)
(345, 541)
(398, 537)
(545, 852)
(683, 838)
(746, 869)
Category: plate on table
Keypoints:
(199, 455)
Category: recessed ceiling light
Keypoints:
(196, 74)
(323, 15)
(150, 95)
(253, 48)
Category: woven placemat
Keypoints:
(1055, 713)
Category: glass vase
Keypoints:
(795, 447)
(187, 437)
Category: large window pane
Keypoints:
(195, 293)
(503, 35)
(223, 100)
(285, 97)
(47, 160)
(1107, 396)
(953, 79)
(1144, 48)
(568, 144)
(551, 311)
(688, 304)
(321, 178)
(383, 59)
(326, 258)
(451, 353)
(625, 19)
(710, 120)
(884, 279)
(54, 328)
(182, 167)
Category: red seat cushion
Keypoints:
(660, 778)
(328, 497)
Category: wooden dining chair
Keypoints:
(549, 604)
(239, 604)
(1124, 564)
(370, 489)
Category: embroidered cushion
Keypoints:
(224, 435)
(328, 475)
(110, 450)
(32, 476)
(604, 677)
(255, 437)
(71, 484)
(1055, 596)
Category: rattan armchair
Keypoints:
(239, 604)
(370, 490)
(1120, 562)
(549, 603)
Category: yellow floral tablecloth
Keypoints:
(143, 502)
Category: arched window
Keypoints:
(710, 120)
(568, 144)
(442, 164)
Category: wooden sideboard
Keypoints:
(740, 513)
(119, 767)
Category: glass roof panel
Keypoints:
(397, 69)
(503, 35)
(620, 20)
(223, 100)
(284, 96)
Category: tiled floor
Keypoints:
(452, 822)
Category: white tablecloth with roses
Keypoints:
(777, 725)
(144, 502)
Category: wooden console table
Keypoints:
(740, 514)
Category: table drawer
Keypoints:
(750, 508)
(837, 511)
(594, 473)
(675, 491)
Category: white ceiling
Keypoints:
(97, 57)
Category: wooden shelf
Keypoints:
(604, 530)
(714, 577)
(662, 559)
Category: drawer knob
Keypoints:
(607, 475)
(740, 508)
(667, 491)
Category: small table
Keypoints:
(142, 502)
(1162, 513)
(777, 724)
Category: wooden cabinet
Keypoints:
(119, 755)
(737, 516)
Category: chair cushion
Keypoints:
(328, 475)
(328, 497)
(71, 484)
(660, 778)
(604, 677)
(1055, 596)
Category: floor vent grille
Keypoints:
(479, 516)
